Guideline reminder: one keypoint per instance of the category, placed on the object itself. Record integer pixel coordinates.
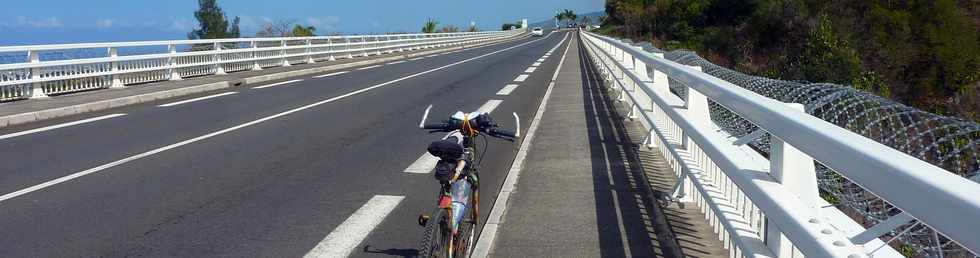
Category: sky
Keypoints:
(75, 21)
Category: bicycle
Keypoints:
(449, 228)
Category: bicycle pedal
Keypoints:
(423, 219)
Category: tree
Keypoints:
(449, 28)
(301, 31)
(430, 26)
(586, 20)
(570, 15)
(213, 23)
(278, 28)
(236, 31)
(472, 28)
(508, 25)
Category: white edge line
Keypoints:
(416, 59)
(52, 127)
(196, 99)
(331, 74)
(350, 233)
(395, 62)
(226, 130)
(368, 67)
(277, 84)
(489, 232)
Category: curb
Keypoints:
(46, 114)
(106, 104)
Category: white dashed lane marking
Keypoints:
(507, 89)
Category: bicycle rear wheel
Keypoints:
(467, 230)
(438, 233)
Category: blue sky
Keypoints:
(71, 21)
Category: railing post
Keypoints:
(37, 91)
(255, 52)
(660, 82)
(347, 48)
(116, 81)
(377, 45)
(697, 109)
(796, 172)
(330, 48)
(172, 61)
(285, 61)
(364, 47)
(401, 47)
(309, 51)
(218, 69)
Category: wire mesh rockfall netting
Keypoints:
(947, 142)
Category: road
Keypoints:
(270, 170)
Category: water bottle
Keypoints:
(461, 199)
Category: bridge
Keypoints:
(308, 146)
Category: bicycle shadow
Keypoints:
(403, 252)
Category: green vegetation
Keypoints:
(213, 23)
(566, 15)
(430, 26)
(508, 26)
(924, 53)
(303, 31)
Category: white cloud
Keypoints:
(50, 22)
(104, 23)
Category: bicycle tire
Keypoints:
(436, 236)
(467, 233)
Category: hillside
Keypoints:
(550, 23)
(924, 54)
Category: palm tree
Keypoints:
(570, 15)
(430, 26)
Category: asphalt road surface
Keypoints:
(321, 164)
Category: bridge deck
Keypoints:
(587, 190)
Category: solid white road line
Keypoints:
(489, 106)
(343, 239)
(331, 74)
(432, 55)
(395, 62)
(230, 129)
(196, 99)
(489, 232)
(530, 69)
(368, 67)
(521, 78)
(46, 128)
(536, 64)
(277, 84)
(423, 165)
(507, 89)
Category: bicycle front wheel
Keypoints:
(437, 236)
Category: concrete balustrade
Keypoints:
(770, 206)
(179, 59)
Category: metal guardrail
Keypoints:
(770, 207)
(36, 78)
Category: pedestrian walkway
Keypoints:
(588, 190)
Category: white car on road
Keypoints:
(536, 31)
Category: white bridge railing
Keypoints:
(770, 207)
(174, 60)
